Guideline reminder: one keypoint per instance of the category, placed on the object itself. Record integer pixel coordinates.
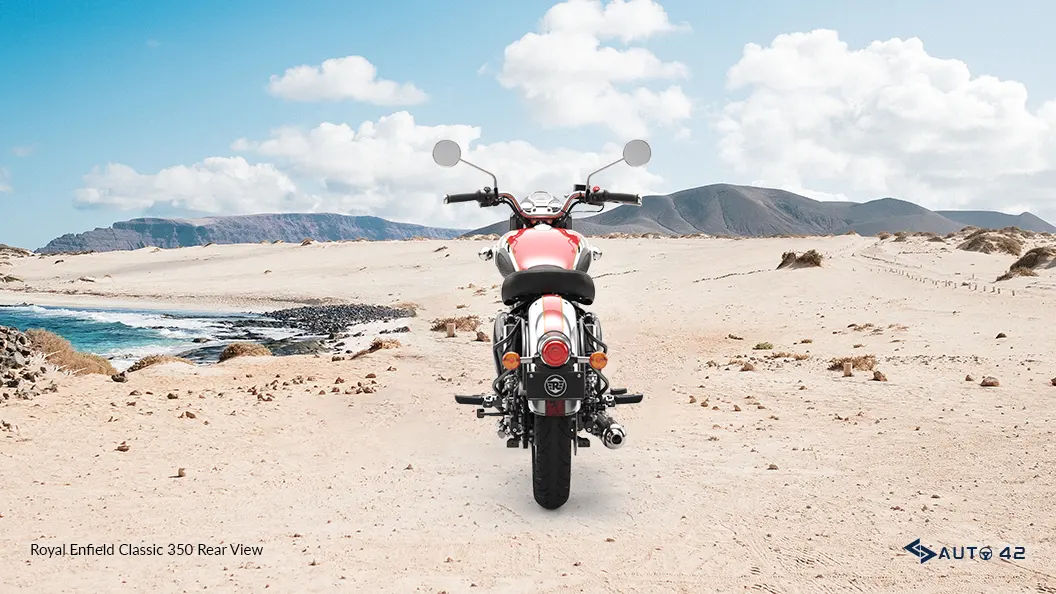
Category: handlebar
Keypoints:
(470, 197)
(607, 196)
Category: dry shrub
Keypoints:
(806, 340)
(1039, 257)
(307, 241)
(244, 349)
(763, 346)
(1016, 271)
(936, 239)
(989, 242)
(409, 306)
(787, 355)
(883, 235)
(463, 323)
(862, 362)
(901, 236)
(156, 360)
(377, 345)
(59, 352)
(808, 259)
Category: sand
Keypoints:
(791, 478)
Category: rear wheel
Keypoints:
(552, 460)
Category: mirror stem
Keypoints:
(494, 180)
(599, 171)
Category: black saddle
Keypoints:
(546, 280)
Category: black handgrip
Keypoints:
(607, 196)
(473, 400)
(470, 197)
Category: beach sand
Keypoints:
(783, 479)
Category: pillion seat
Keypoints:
(546, 279)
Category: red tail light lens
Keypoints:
(555, 352)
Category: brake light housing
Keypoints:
(555, 352)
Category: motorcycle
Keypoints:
(547, 347)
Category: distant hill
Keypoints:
(172, 233)
(998, 220)
(725, 209)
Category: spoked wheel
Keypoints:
(552, 460)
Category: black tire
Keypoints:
(552, 461)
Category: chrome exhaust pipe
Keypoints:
(614, 436)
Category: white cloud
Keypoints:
(382, 168)
(215, 185)
(570, 78)
(886, 120)
(5, 181)
(385, 168)
(337, 79)
(23, 150)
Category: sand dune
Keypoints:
(790, 477)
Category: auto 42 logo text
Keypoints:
(959, 553)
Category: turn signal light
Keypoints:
(599, 360)
(511, 360)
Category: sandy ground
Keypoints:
(402, 490)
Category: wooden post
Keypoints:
(847, 369)
(450, 329)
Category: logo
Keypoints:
(969, 552)
(555, 385)
(924, 553)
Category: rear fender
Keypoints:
(551, 313)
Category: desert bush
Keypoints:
(808, 259)
(1016, 271)
(1038, 257)
(156, 360)
(862, 362)
(59, 352)
(763, 346)
(244, 349)
(307, 241)
(463, 323)
(990, 242)
(883, 235)
(901, 236)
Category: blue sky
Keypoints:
(166, 85)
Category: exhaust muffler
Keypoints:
(614, 436)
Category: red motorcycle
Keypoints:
(548, 349)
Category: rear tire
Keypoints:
(552, 461)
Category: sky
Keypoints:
(114, 110)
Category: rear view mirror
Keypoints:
(635, 153)
(446, 153)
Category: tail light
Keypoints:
(555, 352)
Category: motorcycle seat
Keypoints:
(546, 279)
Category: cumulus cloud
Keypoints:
(888, 119)
(215, 185)
(385, 167)
(382, 168)
(337, 79)
(569, 77)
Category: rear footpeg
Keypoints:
(625, 398)
(472, 400)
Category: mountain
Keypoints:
(171, 233)
(997, 220)
(725, 209)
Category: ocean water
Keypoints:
(125, 335)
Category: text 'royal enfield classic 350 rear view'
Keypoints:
(548, 349)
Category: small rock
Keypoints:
(879, 377)
(772, 467)
(181, 472)
(371, 375)
(1001, 335)
(969, 378)
(610, 539)
(171, 396)
(409, 467)
(339, 380)
(736, 408)
(481, 337)
(391, 368)
(747, 367)
(1054, 381)
(337, 358)
(990, 382)
(122, 447)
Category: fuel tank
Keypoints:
(542, 244)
